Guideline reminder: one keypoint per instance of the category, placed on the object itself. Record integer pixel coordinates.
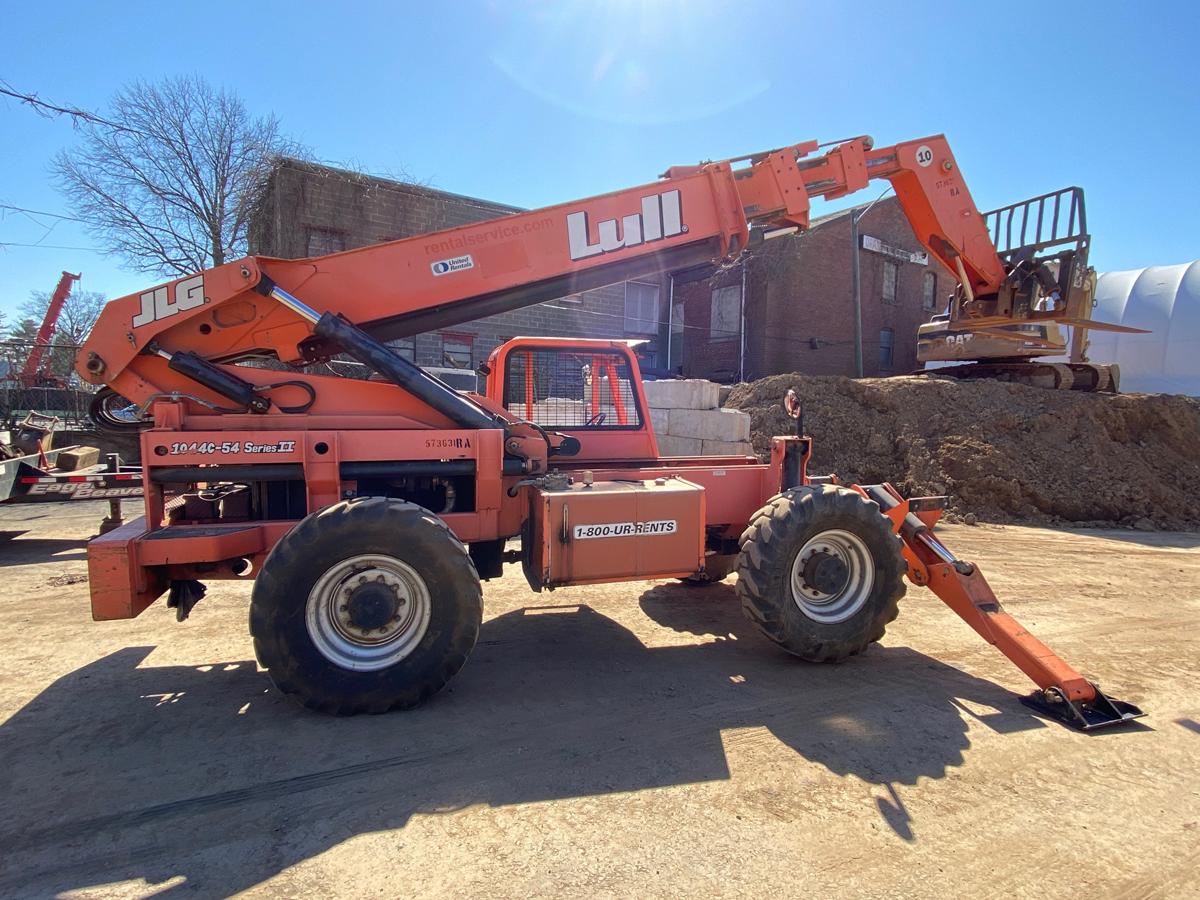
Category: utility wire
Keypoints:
(52, 247)
(41, 212)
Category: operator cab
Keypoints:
(590, 390)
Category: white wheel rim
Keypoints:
(341, 639)
(832, 606)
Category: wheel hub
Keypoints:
(832, 576)
(825, 572)
(372, 605)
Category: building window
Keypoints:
(406, 347)
(456, 351)
(725, 324)
(929, 291)
(641, 308)
(322, 241)
(887, 344)
(891, 272)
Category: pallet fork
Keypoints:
(1063, 693)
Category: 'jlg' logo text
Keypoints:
(156, 305)
(661, 217)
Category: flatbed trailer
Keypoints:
(35, 478)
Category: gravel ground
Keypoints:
(625, 740)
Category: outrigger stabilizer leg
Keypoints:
(1063, 693)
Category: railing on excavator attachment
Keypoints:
(1042, 222)
(1063, 693)
(1043, 243)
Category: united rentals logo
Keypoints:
(661, 217)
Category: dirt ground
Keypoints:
(629, 740)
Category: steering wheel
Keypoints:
(597, 419)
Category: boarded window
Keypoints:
(929, 291)
(887, 344)
(891, 272)
(456, 351)
(322, 241)
(726, 313)
(641, 308)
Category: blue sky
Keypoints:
(536, 103)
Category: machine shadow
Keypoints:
(23, 551)
(210, 781)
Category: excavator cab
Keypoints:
(1043, 242)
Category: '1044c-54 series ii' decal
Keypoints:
(209, 447)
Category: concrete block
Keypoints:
(669, 445)
(691, 393)
(710, 424)
(726, 448)
(659, 419)
(78, 458)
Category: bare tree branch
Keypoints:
(168, 179)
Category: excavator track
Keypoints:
(1085, 377)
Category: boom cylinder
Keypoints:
(202, 371)
(379, 358)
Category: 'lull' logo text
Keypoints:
(661, 217)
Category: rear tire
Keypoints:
(366, 606)
(820, 572)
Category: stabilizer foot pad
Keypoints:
(1102, 712)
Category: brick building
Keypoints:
(310, 210)
(797, 315)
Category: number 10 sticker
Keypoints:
(924, 156)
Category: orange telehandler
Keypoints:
(366, 512)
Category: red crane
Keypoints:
(32, 374)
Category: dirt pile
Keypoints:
(1003, 452)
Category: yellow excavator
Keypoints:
(1043, 242)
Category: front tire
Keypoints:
(820, 572)
(366, 606)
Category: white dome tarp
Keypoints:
(1166, 301)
